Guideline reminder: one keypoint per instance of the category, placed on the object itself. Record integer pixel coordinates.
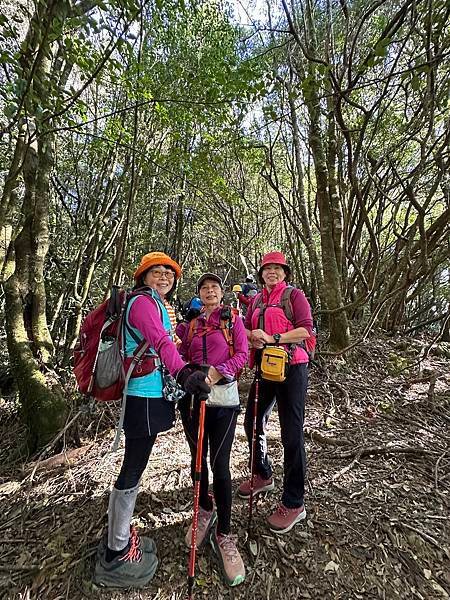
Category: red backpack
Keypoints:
(286, 304)
(99, 367)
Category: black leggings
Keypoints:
(137, 453)
(290, 398)
(220, 424)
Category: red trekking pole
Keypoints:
(252, 452)
(198, 473)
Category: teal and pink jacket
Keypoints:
(275, 321)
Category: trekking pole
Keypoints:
(253, 448)
(198, 473)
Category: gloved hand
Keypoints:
(192, 313)
(192, 379)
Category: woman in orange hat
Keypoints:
(125, 559)
(165, 286)
(280, 315)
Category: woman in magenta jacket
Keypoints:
(276, 328)
(205, 342)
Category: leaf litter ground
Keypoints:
(378, 497)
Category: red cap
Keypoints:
(274, 258)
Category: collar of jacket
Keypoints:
(276, 291)
(214, 317)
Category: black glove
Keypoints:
(192, 313)
(192, 380)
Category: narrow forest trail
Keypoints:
(378, 498)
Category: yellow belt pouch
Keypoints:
(274, 363)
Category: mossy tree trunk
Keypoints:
(29, 342)
(322, 143)
(30, 346)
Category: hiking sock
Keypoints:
(110, 555)
(120, 512)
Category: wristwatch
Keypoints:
(276, 337)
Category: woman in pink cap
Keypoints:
(279, 315)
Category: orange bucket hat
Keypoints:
(156, 258)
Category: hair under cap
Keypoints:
(205, 277)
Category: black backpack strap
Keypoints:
(262, 311)
(114, 306)
(227, 319)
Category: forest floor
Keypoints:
(378, 496)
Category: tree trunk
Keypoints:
(332, 289)
(9, 205)
(29, 343)
(301, 202)
(326, 191)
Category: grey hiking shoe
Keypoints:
(134, 569)
(146, 544)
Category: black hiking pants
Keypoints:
(220, 425)
(290, 398)
(137, 453)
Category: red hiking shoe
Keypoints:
(284, 519)
(231, 563)
(206, 519)
(259, 485)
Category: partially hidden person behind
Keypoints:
(215, 337)
(266, 323)
(249, 288)
(125, 559)
(190, 310)
(245, 293)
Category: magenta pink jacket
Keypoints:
(145, 316)
(217, 350)
(275, 321)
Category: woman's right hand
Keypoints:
(193, 380)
